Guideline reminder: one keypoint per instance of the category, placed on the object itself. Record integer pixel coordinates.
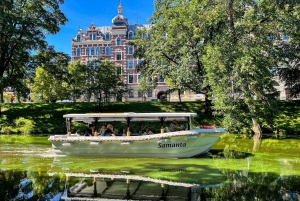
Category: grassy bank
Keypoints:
(36, 118)
(47, 118)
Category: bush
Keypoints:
(25, 126)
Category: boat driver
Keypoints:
(173, 126)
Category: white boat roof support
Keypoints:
(109, 117)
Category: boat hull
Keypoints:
(168, 145)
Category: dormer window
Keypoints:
(107, 36)
(118, 41)
(78, 38)
(92, 36)
(130, 36)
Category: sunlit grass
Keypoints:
(23, 139)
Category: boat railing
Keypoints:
(188, 135)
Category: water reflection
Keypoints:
(246, 170)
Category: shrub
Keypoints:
(25, 126)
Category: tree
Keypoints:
(52, 80)
(225, 50)
(103, 81)
(46, 88)
(23, 25)
(76, 79)
(145, 86)
(175, 46)
(239, 59)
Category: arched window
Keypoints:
(107, 36)
(130, 50)
(118, 41)
(93, 51)
(107, 50)
(78, 52)
(98, 51)
(87, 51)
(130, 36)
(78, 38)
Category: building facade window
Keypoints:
(130, 79)
(130, 50)
(150, 93)
(93, 51)
(149, 79)
(78, 52)
(119, 70)
(139, 78)
(140, 61)
(130, 94)
(78, 38)
(145, 35)
(107, 36)
(161, 79)
(118, 41)
(130, 36)
(87, 51)
(130, 64)
(98, 51)
(93, 36)
(118, 55)
(107, 51)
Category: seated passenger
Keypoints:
(109, 131)
(148, 131)
(102, 130)
(173, 126)
(90, 130)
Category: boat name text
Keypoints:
(171, 145)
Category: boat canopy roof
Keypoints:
(131, 116)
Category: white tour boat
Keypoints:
(179, 144)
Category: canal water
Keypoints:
(235, 169)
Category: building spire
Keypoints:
(120, 8)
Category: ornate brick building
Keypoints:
(112, 43)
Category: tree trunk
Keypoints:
(257, 142)
(256, 128)
(207, 105)
(2, 97)
(179, 96)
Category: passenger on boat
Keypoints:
(102, 130)
(173, 126)
(148, 131)
(90, 130)
(109, 131)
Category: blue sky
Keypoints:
(83, 13)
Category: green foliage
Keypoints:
(103, 82)
(23, 26)
(25, 126)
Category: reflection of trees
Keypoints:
(252, 186)
(9, 183)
